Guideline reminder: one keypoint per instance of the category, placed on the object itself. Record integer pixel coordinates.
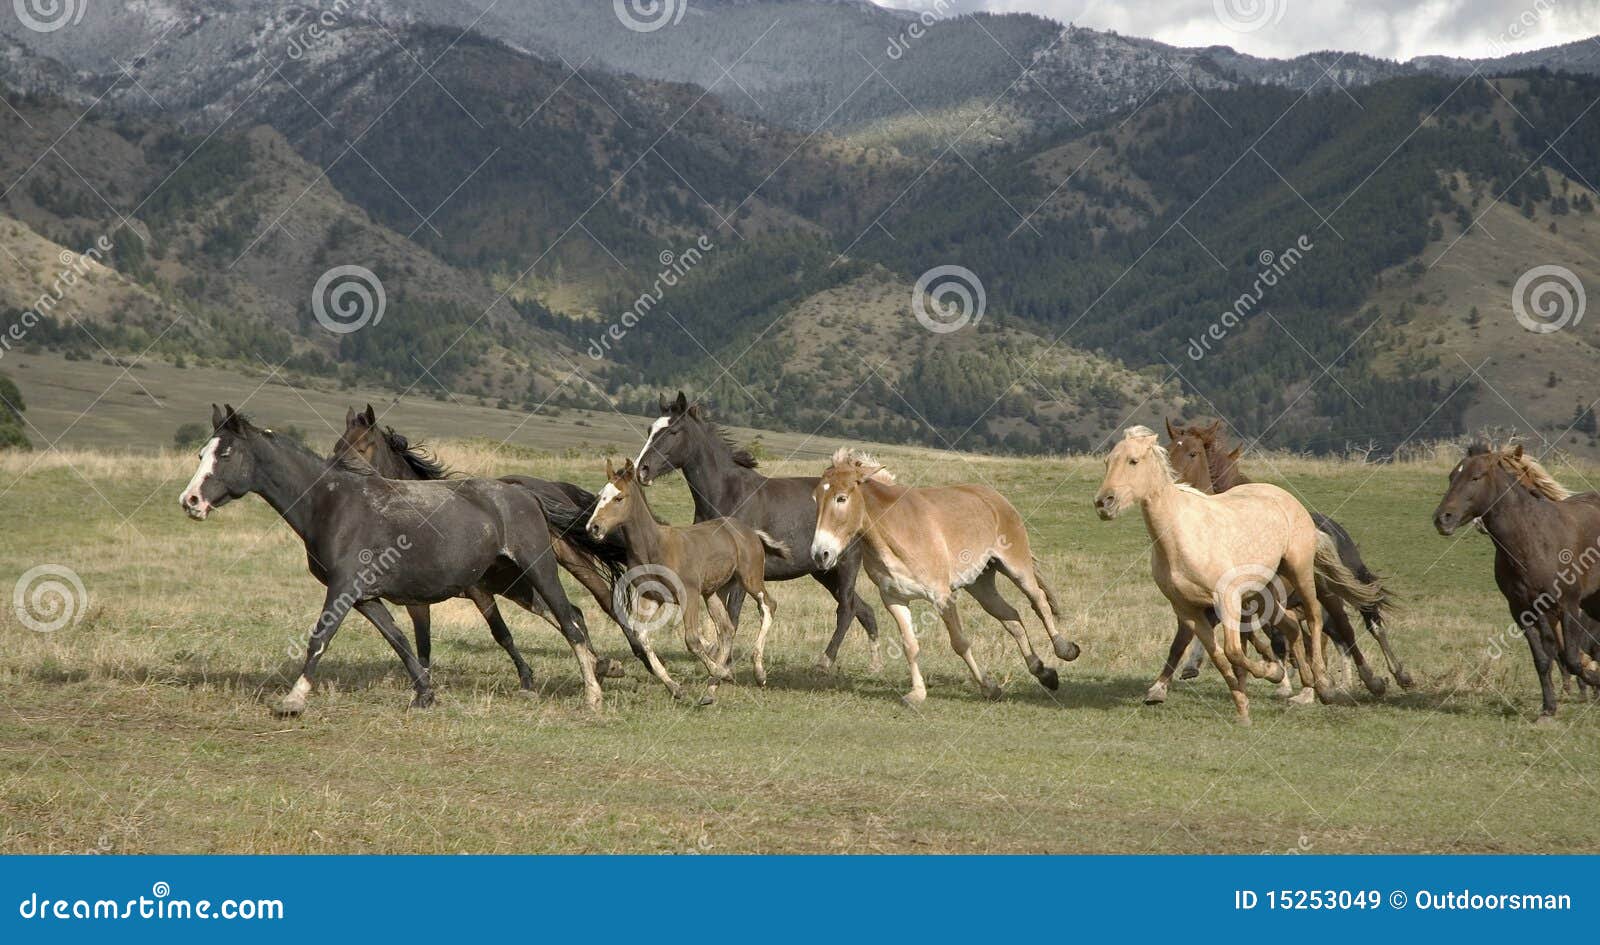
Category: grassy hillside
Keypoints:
(145, 727)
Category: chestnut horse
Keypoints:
(1547, 556)
(1209, 552)
(926, 543)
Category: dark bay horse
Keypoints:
(595, 564)
(724, 481)
(1202, 460)
(1546, 556)
(369, 539)
(690, 566)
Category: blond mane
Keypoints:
(845, 458)
(1533, 474)
(1160, 453)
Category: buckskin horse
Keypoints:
(1546, 556)
(369, 539)
(724, 481)
(595, 564)
(690, 564)
(1209, 552)
(1202, 460)
(927, 543)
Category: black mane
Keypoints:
(741, 456)
(422, 462)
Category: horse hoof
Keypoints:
(707, 699)
(678, 695)
(1189, 673)
(1066, 649)
(1404, 679)
(609, 669)
(1156, 695)
(1245, 720)
(1331, 696)
(761, 677)
(1303, 697)
(913, 699)
(1049, 678)
(823, 664)
(289, 710)
(1275, 674)
(1377, 685)
(1544, 721)
(422, 700)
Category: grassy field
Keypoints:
(145, 726)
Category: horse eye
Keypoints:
(1133, 462)
(840, 500)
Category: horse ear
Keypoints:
(218, 418)
(372, 416)
(681, 404)
(627, 468)
(1237, 450)
(1172, 434)
(349, 415)
(231, 419)
(662, 400)
(1215, 426)
(610, 472)
(1517, 453)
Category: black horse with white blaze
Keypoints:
(369, 539)
(724, 483)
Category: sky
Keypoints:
(1395, 29)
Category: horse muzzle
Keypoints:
(1445, 523)
(194, 506)
(1106, 506)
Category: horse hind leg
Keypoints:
(584, 570)
(963, 647)
(988, 596)
(1203, 630)
(1343, 633)
(1025, 575)
(539, 567)
(502, 634)
(1261, 641)
(1302, 580)
(1191, 662)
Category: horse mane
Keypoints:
(741, 456)
(1160, 453)
(845, 457)
(423, 462)
(1531, 473)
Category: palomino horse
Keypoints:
(927, 543)
(724, 482)
(1202, 461)
(595, 565)
(1209, 552)
(1546, 555)
(370, 539)
(689, 565)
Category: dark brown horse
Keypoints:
(1202, 460)
(1547, 556)
(686, 568)
(595, 565)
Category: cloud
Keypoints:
(1395, 29)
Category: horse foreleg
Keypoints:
(1203, 630)
(900, 610)
(1191, 663)
(501, 633)
(334, 608)
(1227, 609)
(421, 627)
(1543, 665)
(380, 617)
(1181, 640)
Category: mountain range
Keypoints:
(523, 176)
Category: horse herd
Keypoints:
(1240, 562)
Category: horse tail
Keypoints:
(1365, 594)
(772, 544)
(1373, 614)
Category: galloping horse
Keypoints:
(927, 543)
(692, 564)
(370, 539)
(596, 565)
(1202, 461)
(1211, 551)
(1546, 553)
(724, 482)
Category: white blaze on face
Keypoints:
(824, 541)
(607, 496)
(191, 499)
(657, 427)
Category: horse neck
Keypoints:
(1225, 475)
(641, 533)
(391, 465)
(1161, 510)
(882, 503)
(1514, 514)
(716, 482)
(286, 475)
